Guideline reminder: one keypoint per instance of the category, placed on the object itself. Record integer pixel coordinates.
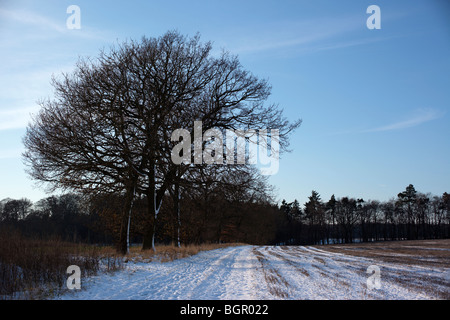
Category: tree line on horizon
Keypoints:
(410, 216)
(227, 216)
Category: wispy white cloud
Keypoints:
(305, 36)
(347, 44)
(19, 92)
(16, 119)
(31, 18)
(11, 153)
(419, 117)
(45, 25)
(259, 45)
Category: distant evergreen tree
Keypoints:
(314, 215)
(407, 199)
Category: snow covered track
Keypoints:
(258, 273)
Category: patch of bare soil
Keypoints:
(428, 253)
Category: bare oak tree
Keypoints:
(108, 128)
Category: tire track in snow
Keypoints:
(197, 277)
(242, 281)
(209, 283)
(316, 276)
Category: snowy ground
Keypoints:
(266, 273)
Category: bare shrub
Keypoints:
(34, 268)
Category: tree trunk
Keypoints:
(176, 199)
(154, 205)
(124, 238)
(149, 232)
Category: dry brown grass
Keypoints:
(285, 259)
(34, 268)
(320, 260)
(166, 253)
(277, 285)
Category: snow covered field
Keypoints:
(267, 273)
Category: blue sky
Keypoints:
(375, 103)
